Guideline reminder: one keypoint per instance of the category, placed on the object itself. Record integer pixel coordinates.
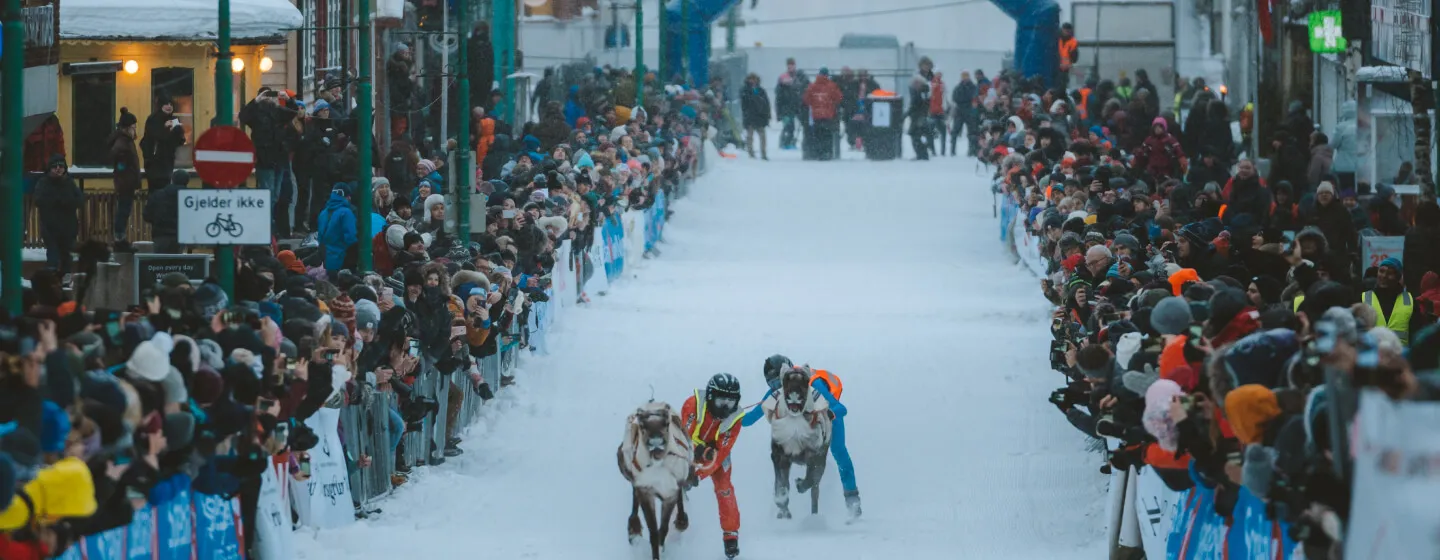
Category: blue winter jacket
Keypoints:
(573, 110)
(338, 230)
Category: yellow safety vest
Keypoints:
(725, 425)
(1298, 300)
(1399, 319)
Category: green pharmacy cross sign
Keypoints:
(1325, 34)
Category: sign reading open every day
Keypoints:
(224, 217)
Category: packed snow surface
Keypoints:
(886, 273)
(174, 19)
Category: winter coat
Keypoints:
(1017, 138)
(267, 125)
(1334, 221)
(1247, 196)
(1343, 141)
(160, 143)
(1298, 124)
(484, 139)
(316, 150)
(789, 91)
(1322, 160)
(58, 201)
(1160, 155)
(573, 109)
(552, 130)
(338, 230)
(162, 210)
(963, 97)
(1289, 164)
(823, 98)
(402, 86)
(1422, 254)
(755, 107)
(126, 162)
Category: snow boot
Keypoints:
(852, 503)
(397, 480)
(732, 547)
(453, 449)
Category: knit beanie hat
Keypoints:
(210, 299)
(148, 362)
(342, 308)
(54, 428)
(1248, 408)
(367, 314)
(1171, 316)
(1157, 419)
(206, 386)
(174, 386)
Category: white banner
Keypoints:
(1397, 484)
(324, 501)
(634, 224)
(1156, 504)
(224, 217)
(273, 526)
(598, 282)
(562, 282)
(1374, 249)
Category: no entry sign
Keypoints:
(224, 156)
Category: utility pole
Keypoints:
(639, 54)
(224, 115)
(731, 20)
(503, 20)
(665, 64)
(12, 162)
(462, 173)
(365, 130)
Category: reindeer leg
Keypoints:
(667, 507)
(648, 506)
(682, 521)
(813, 473)
(782, 480)
(634, 526)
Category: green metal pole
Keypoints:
(664, 59)
(503, 16)
(731, 21)
(639, 54)
(12, 162)
(366, 132)
(462, 128)
(225, 115)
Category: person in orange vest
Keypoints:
(829, 387)
(1069, 54)
(713, 422)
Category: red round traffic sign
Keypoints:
(224, 156)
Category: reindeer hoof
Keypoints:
(783, 514)
(801, 485)
(634, 529)
(682, 522)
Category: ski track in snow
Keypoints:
(889, 274)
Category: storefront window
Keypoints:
(93, 102)
(178, 84)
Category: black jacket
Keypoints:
(788, 97)
(755, 106)
(1422, 254)
(1334, 221)
(58, 200)
(162, 210)
(963, 96)
(268, 124)
(159, 144)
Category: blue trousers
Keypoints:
(397, 429)
(842, 455)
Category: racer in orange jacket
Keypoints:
(713, 422)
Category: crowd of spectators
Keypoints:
(1206, 317)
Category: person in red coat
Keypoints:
(823, 100)
(1160, 154)
(713, 421)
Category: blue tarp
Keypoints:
(1037, 38)
(703, 13)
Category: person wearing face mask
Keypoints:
(712, 419)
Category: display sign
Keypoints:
(151, 267)
(224, 216)
(1374, 249)
(1325, 35)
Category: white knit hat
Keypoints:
(148, 362)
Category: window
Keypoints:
(93, 112)
(178, 84)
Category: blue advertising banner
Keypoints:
(188, 526)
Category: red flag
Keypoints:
(1262, 11)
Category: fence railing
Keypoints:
(97, 216)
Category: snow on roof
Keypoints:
(174, 19)
(1382, 74)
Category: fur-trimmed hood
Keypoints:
(470, 277)
(1314, 234)
(437, 269)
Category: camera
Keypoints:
(1071, 395)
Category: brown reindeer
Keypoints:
(655, 458)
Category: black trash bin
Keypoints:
(885, 120)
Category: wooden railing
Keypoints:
(97, 217)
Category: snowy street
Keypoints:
(886, 273)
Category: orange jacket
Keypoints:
(705, 429)
(484, 140)
(831, 380)
(823, 98)
(1068, 52)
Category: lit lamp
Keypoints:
(266, 64)
(1223, 91)
(237, 65)
(131, 66)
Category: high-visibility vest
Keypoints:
(1399, 319)
(831, 380)
(1299, 300)
(700, 407)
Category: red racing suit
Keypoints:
(717, 434)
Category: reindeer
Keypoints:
(655, 457)
(800, 425)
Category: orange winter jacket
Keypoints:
(823, 98)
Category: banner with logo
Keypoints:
(190, 526)
(273, 525)
(1397, 481)
(614, 235)
(1375, 248)
(655, 221)
(323, 501)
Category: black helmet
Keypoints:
(722, 394)
(776, 365)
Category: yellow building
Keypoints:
(130, 54)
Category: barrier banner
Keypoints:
(1158, 507)
(562, 280)
(632, 224)
(597, 283)
(173, 528)
(655, 222)
(1397, 482)
(217, 527)
(140, 535)
(324, 500)
(614, 235)
(273, 525)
